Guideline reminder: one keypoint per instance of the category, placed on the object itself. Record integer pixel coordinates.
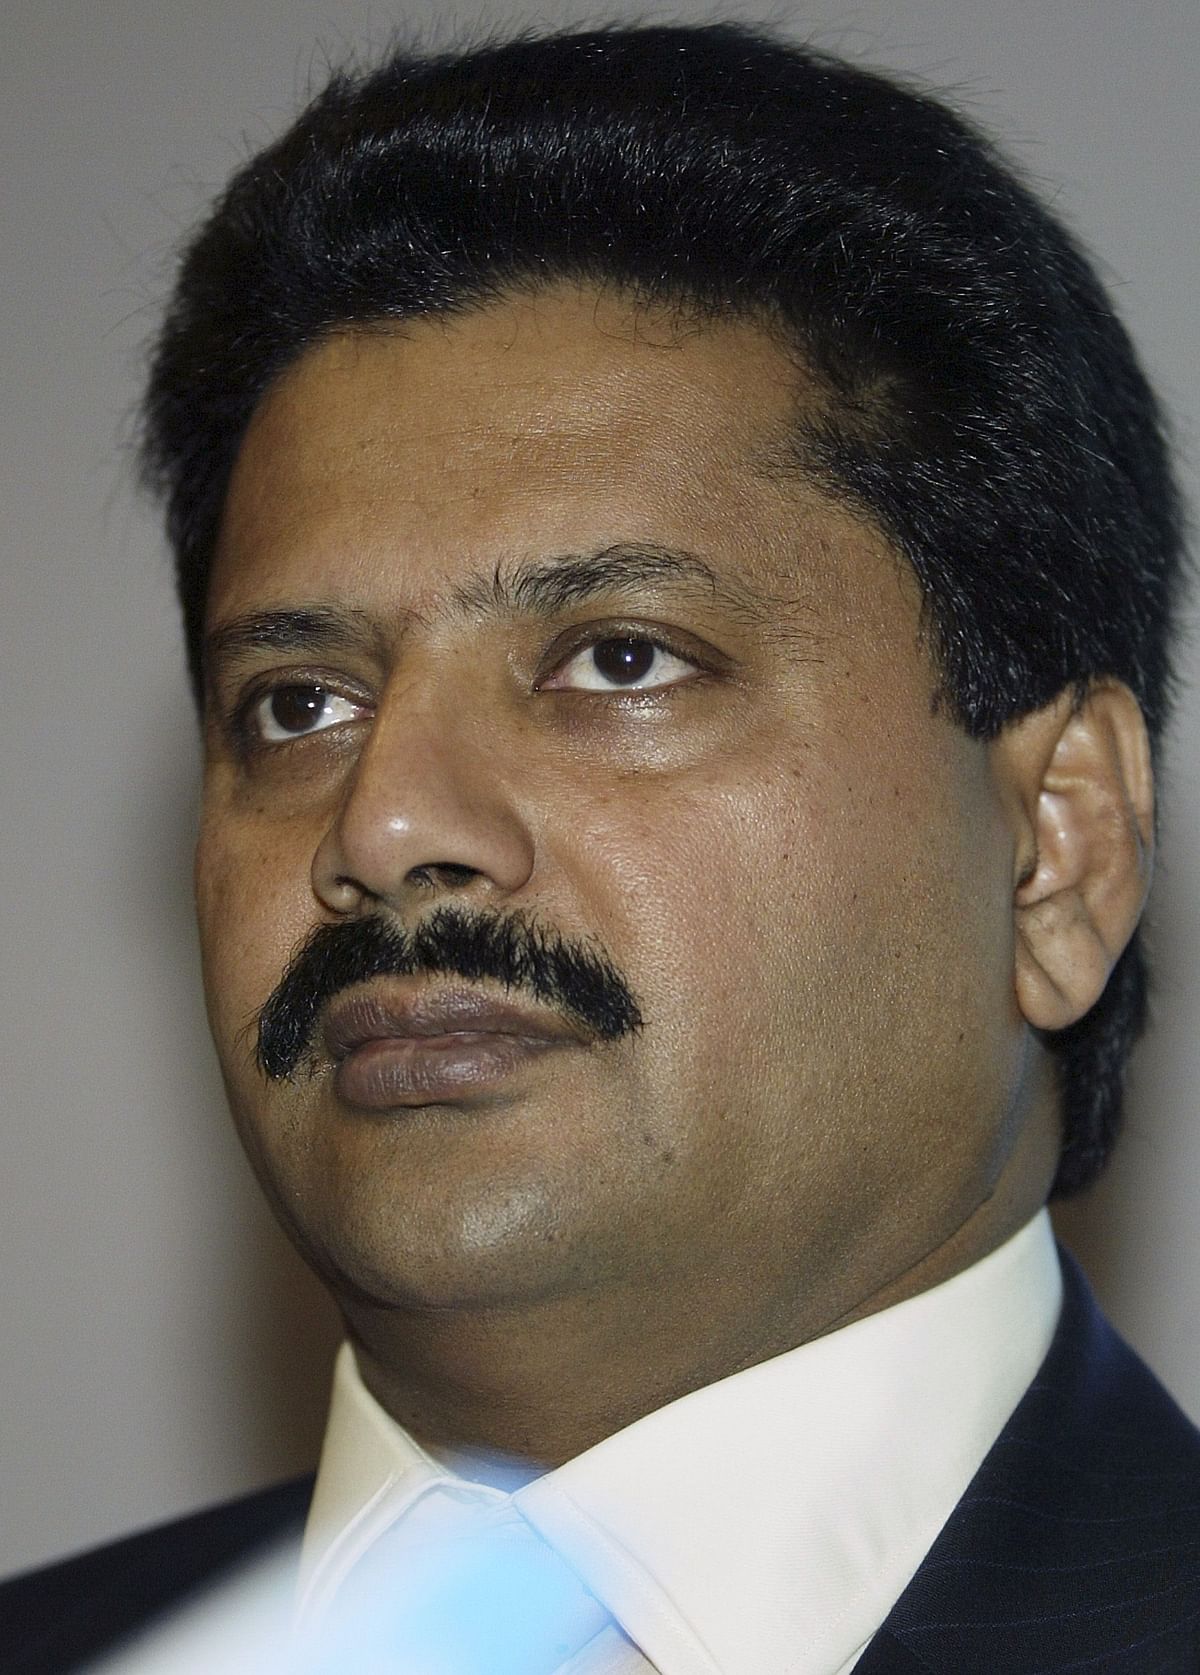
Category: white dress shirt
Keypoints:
(763, 1525)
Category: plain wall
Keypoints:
(162, 1346)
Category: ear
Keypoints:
(1077, 782)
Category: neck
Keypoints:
(532, 1386)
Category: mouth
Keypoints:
(391, 1051)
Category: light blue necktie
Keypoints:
(490, 1598)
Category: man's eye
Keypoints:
(619, 664)
(289, 712)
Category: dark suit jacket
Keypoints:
(1075, 1549)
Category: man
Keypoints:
(677, 558)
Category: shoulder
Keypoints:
(58, 1617)
(1097, 1416)
(1078, 1543)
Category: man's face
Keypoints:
(730, 783)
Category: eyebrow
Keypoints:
(544, 586)
(530, 588)
(295, 629)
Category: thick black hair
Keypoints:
(984, 408)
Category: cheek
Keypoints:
(808, 908)
(694, 869)
(688, 883)
(253, 905)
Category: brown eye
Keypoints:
(296, 709)
(289, 712)
(620, 663)
(623, 661)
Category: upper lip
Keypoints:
(356, 1018)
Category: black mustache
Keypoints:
(573, 978)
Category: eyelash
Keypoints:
(657, 638)
(250, 743)
(243, 728)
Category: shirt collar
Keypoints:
(769, 1520)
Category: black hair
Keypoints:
(985, 408)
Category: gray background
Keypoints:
(162, 1346)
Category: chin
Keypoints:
(500, 1249)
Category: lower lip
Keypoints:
(432, 1069)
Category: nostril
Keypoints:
(449, 874)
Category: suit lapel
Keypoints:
(888, 1656)
(1077, 1546)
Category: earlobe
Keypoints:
(1078, 780)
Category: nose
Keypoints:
(424, 812)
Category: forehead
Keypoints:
(402, 458)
